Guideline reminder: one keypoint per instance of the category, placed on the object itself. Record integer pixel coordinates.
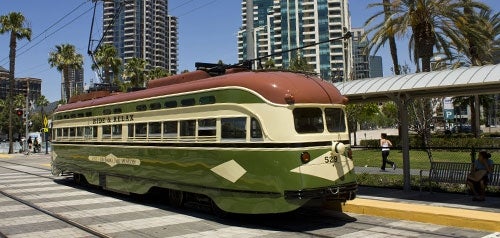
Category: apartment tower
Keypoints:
(270, 27)
(142, 29)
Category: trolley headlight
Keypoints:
(338, 147)
(305, 157)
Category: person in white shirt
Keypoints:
(386, 144)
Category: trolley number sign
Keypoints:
(331, 159)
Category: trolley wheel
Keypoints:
(79, 179)
(175, 198)
(217, 211)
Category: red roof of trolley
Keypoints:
(275, 86)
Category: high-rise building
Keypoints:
(376, 66)
(365, 65)
(274, 27)
(360, 55)
(142, 29)
(75, 77)
(20, 86)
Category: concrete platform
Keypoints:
(447, 209)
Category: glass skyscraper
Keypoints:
(271, 27)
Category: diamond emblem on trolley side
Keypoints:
(229, 170)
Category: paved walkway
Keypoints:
(450, 209)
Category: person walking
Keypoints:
(386, 144)
(30, 143)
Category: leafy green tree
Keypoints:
(390, 112)
(107, 62)
(3, 116)
(135, 70)
(270, 64)
(64, 58)
(41, 102)
(14, 23)
(358, 114)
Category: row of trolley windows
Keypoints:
(144, 107)
(230, 128)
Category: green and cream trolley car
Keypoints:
(247, 141)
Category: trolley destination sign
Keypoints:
(112, 119)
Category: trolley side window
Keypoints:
(106, 131)
(116, 131)
(79, 132)
(154, 129)
(90, 132)
(335, 120)
(170, 129)
(255, 129)
(140, 130)
(72, 132)
(233, 128)
(308, 120)
(187, 128)
(207, 127)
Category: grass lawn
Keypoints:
(418, 158)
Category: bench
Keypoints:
(455, 172)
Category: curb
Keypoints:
(479, 220)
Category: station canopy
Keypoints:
(445, 83)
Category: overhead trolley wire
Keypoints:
(183, 4)
(196, 8)
(47, 29)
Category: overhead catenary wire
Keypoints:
(19, 53)
(53, 24)
(197, 8)
(183, 4)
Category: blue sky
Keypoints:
(207, 33)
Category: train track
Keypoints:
(40, 209)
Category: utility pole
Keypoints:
(26, 113)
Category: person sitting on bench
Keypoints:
(478, 178)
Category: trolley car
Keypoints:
(247, 141)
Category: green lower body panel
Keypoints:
(238, 180)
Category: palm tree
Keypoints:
(41, 102)
(134, 71)
(156, 73)
(108, 62)
(64, 58)
(383, 32)
(474, 36)
(15, 23)
(431, 22)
